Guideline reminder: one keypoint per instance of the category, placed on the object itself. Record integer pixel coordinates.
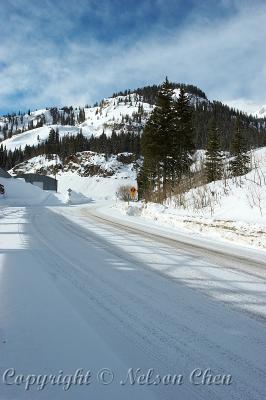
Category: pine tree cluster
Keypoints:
(204, 111)
(240, 160)
(239, 165)
(70, 144)
(166, 144)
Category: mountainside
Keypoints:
(126, 113)
(121, 114)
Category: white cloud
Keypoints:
(225, 58)
(248, 106)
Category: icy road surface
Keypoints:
(80, 292)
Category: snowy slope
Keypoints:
(36, 136)
(21, 122)
(88, 173)
(234, 209)
(121, 113)
(111, 114)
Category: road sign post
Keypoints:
(69, 191)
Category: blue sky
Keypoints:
(61, 52)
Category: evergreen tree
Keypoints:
(167, 142)
(156, 140)
(81, 116)
(182, 145)
(239, 164)
(143, 184)
(213, 163)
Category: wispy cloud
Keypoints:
(52, 53)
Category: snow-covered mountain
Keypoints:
(18, 123)
(90, 173)
(120, 114)
(262, 112)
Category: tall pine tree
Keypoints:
(182, 145)
(239, 165)
(213, 163)
(156, 141)
(167, 141)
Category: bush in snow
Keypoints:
(123, 192)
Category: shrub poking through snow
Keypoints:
(123, 192)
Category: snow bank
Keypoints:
(234, 210)
(20, 193)
(131, 209)
(233, 230)
(94, 187)
(77, 198)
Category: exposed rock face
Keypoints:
(85, 164)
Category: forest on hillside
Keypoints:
(125, 136)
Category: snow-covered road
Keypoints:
(80, 292)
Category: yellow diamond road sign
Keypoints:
(133, 191)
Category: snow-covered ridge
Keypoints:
(262, 112)
(193, 99)
(120, 114)
(23, 122)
